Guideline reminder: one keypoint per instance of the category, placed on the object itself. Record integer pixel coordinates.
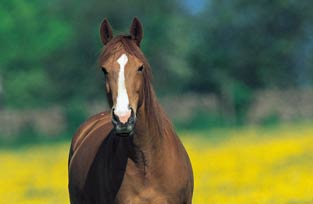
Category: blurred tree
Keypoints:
(49, 49)
(27, 36)
(247, 45)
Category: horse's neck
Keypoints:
(151, 130)
(147, 133)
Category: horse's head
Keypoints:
(124, 67)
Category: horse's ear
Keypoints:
(106, 33)
(136, 31)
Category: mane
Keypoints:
(152, 108)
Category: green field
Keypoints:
(236, 166)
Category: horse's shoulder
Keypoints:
(85, 144)
(92, 123)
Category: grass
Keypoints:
(235, 166)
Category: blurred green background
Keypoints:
(216, 63)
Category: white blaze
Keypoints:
(122, 101)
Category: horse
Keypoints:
(131, 153)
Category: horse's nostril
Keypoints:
(115, 119)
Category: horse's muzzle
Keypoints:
(124, 129)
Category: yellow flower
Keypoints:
(249, 166)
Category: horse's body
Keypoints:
(150, 165)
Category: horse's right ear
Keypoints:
(106, 33)
(136, 31)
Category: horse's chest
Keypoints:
(140, 188)
(143, 196)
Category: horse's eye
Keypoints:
(104, 71)
(140, 69)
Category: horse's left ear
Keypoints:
(106, 33)
(136, 31)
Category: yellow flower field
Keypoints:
(246, 166)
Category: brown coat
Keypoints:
(150, 165)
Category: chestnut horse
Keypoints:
(130, 154)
